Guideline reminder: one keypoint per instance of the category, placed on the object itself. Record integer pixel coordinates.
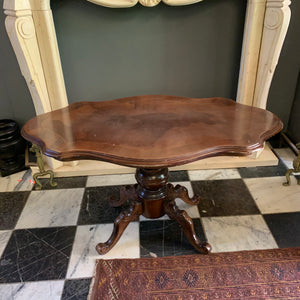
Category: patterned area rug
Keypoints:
(261, 274)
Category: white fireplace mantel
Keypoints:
(30, 27)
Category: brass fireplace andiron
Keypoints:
(37, 150)
(296, 166)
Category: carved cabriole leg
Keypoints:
(159, 198)
(276, 23)
(120, 224)
(186, 223)
(181, 192)
(126, 193)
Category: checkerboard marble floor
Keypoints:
(48, 237)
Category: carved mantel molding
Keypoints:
(148, 3)
(30, 27)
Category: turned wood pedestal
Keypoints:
(152, 133)
(154, 197)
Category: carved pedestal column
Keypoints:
(154, 197)
(152, 190)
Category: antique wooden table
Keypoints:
(152, 133)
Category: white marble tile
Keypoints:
(84, 254)
(39, 290)
(238, 233)
(51, 208)
(4, 237)
(272, 197)
(215, 174)
(21, 181)
(164, 217)
(287, 156)
(106, 180)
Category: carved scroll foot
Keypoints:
(120, 224)
(127, 192)
(187, 226)
(181, 192)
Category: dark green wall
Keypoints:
(293, 129)
(185, 51)
(109, 53)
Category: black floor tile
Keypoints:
(11, 206)
(63, 183)
(224, 198)
(268, 171)
(285, 228)
(178, 176)
(77, 289)
(37, 254)
(166, 238)
(95, 208)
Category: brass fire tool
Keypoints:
(296, 166)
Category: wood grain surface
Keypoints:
(152, 131)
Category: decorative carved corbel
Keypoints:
(30, 28)
(276, 23)
(21, 31)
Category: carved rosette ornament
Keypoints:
(25, 27)
(149, 3)
(275, 13)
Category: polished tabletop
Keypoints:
(151, 131)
